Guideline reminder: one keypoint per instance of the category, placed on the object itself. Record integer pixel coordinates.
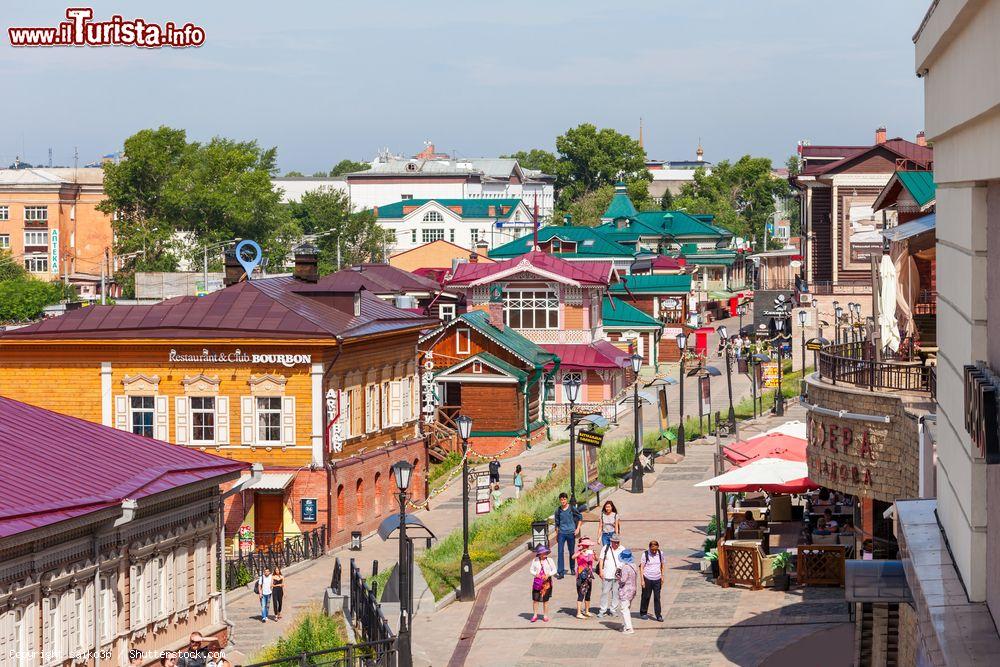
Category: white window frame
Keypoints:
(4, 213)
(260, 412)
(531, 301)
(137, 602)
(37, 263)
(53, 610)
(413, 236)
(19, 635)
(451, 234)
(405, 197)
(106, 607)
(36, 237)
(36, 213)
(5, 241)
(181, 578)
(160, 599)
(433, 216)
(463, 335)
(474, 235)
(132, 410)
(79, 620)
(203, 411)
(446, 312)
(431, 234)
(372, 405)
(200, 569)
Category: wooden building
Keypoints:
(409, 291)
(664, 297)
(318, 385)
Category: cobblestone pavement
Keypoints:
(703, 623)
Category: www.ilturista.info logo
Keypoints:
(80, 30)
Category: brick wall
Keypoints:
(909, 636)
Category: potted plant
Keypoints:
(713, 562)
(781, 564)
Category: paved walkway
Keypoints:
(703, 623)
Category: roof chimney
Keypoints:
(880, 135)
(496, 314)
(306, 263)
(482, 248)
(567, 220)
(921, 138)
(234, 270)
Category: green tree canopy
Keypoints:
(741, 195)
(536, 158)
(23, 299)
(294, 174)
(327, 213)
(348, 166)
(590, 158)
(10, 268)
(172, 197)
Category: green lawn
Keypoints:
(311, 631)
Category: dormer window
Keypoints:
(433, 216)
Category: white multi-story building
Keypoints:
(293, 187)
(464, 222)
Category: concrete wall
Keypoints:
(958, 54)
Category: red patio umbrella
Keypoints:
(771, 445)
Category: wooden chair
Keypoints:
(849, 542)
(825, 539)
(820, 564)
(745, 564)
(781, 508)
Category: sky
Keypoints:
(323, 81)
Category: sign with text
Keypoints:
(769, 374)
(661, 404)
(843, 454)
(590, 454)
(238, 357)
(704, 395)
(481, 481)
(590, 438)
(307, 510)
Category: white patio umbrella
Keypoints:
(888, 330)
(795, 428)
(765, 472)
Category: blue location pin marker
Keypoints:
(248, 264)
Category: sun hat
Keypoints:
(626, 556)
(615, 538)
(586, 542)
(542, 549)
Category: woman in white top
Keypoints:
(609, 522)
(542, 570)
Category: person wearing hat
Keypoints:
(542, 569)
(584, 559)
(628, 577)
(608, 564)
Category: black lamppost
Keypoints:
(857, 322)
(741, 310)
(838, 314)
(802, 330)
(681, 344)
(571, 388)
(636, 462)
(402, 471)
(467, 590)
(724, 338)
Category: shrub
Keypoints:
(311, 631)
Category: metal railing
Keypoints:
(823, 287)
(275, 553)
(379, 653)
(365, 610)
(855, 364)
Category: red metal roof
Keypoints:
(377, 279)
(58, 467)
(277, 308)
(921, 155)
(589, 273)
(601, 354)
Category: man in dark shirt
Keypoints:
(568, 520)
(495, 470)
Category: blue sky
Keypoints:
(328, 80)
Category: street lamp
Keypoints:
(467, 590)
(838, 314)
(741, 310)
(402, 471)
(724, 337)
(571, 388)
(802, 330)
(681, 344)
(636, 462)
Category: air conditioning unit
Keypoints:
(405, 302)
(805, 298)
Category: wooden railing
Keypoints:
(854, 363)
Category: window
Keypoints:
(371, 408)
(36, 263)
(53, 623)
(140, 415)
(531, 309)
(106, 607)
(428, 235)
(4, 240)
(36, 238)
(4, 213)
(20, 646)
(446, 311)
(385, 416)
(405, 197)
(477, 366)
(451, 234)
(413, 236)
(136, 598)
(433, 216)
(200, 571)
(474, 235)
(268, 419)
(463, 341)
(181, 578)
(79, 620)
(160, 594)
(36, 214)
(203, 419)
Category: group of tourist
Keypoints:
(622, 575)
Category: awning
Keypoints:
(876, 581)
(768, 446)
(771, 475)
(912, 228)
(272, 481)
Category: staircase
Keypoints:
(443, 440)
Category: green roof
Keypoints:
(621, 206)
(491, 360)
(708, 256)
(506, 338)
(920, 185)
(675, 224)
(618, 314)
(471, 208)
(589, 243)
(669, 283)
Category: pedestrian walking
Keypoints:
(609, 522)
(495, 470)
(627, 579)
(542, 569)
(585, 559)
(496, 497)
(263, 588)
(651, 579)
(567, 521)
(608, 564)
(277, 591)
(518, 481)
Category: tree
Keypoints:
(536, 158)
(294, 174)
(741, 195)
(667, 200)
(590, 158)
(319, 174)
(588, 208)
(327, 213)
(348, 166)
(23, 299)
(172, 197)
(11, 269)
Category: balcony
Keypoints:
(854, 364)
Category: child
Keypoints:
(496, 497)
(518, 481)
